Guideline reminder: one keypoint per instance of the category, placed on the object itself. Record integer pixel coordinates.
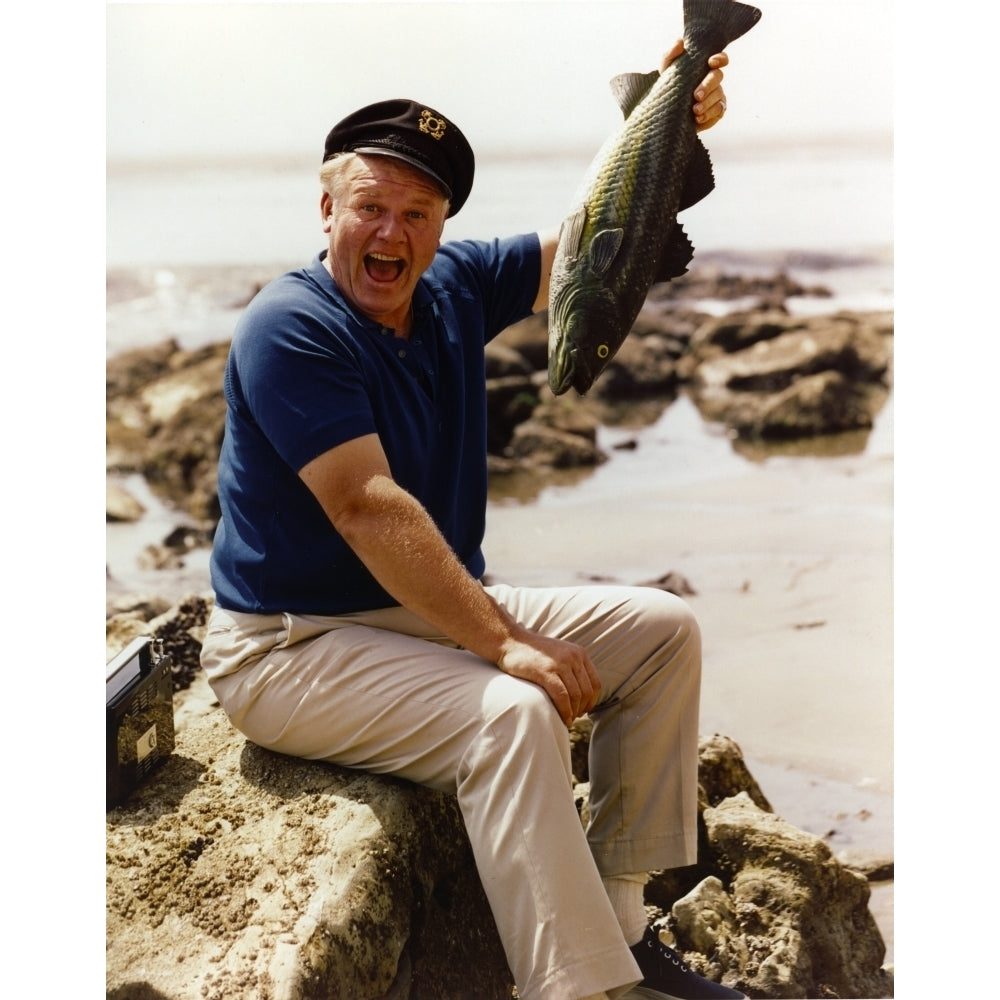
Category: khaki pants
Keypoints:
(380, 691)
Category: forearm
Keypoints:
(398, 541)
(549, 240)
(403, 549)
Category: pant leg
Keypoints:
(379, 692)
(646, 647)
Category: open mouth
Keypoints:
(381, 267)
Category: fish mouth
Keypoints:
(568, 365)
(382, 267)
(562, 356)
(562, 371)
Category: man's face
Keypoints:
(384, 228)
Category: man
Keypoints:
(350, 622)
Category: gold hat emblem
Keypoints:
(432, 125)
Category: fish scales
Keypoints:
(621, 195)
(641, 149)
(622, 234)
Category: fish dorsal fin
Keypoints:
(630, 88)
(677, 254)
(604, 248)
(571, 232)
(699, 180)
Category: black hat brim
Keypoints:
(411, 160)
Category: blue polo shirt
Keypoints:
(306, 373)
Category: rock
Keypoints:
(706, 922)
(579, 748)
(668, 320)
(643, 366)
(510, 400)
(120, 505)
(723, 773)
(710, 282)
(672, 582)
(843, 344)
(129, 617)
(530, 339)
(503, 361)
(768, 908)
(740, 330)
(814, 377)
(170, 553)
(182, 632)
(802, 926)
(874, 865)
(239, 873)
(127, 373)
(165, 418)
(567, 415)
(814, 404)
(559, 434)
(181, 628)
(540, 444)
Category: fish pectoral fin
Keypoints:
(571, 232)
(699, 180)
(630, 88)
(604, 248)
(677, 254)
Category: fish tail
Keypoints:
(713, 24)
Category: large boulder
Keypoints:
(642, 367)
(239, 873)
(824, 403)
(794, 920)
(558, 434)
(165, 418)
(847, 343)
(511, 399)
(771, 378)
(768, 908)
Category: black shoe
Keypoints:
(664, 973)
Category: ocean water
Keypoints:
(823, 195)
(819, 210)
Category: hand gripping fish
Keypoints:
(624, 234)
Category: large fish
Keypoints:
(623, 233)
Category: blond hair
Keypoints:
(334, 170)
(331, 173)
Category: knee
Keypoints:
(671, 617)
(520, 722)
(519, 707)
(685, 622)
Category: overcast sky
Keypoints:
(232, 78)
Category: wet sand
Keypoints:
(791, 561)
